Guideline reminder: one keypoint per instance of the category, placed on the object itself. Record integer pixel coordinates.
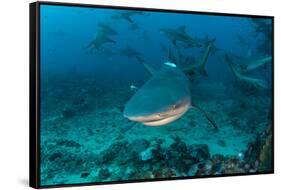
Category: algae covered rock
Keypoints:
(104, 174)
(258, 156)
(115, 152)
(265, 157)
(146, 154)
(138, 145)
(200, 152)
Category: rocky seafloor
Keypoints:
(84, 140)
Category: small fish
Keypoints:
(133, 87)
(170, 64)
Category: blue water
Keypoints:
(84, 136)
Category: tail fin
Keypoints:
(213, 123)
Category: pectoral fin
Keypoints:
(212, 122)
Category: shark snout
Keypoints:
(166, 116)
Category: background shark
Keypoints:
(251, 81)
(104, 35)
(106, 29)
(99, 41)
(252, 64)
(127, 15)
(180, 35)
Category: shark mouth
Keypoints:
(160, 119)
(163, 121)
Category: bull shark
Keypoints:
(250, 65)
(254, 82)
(99, 41)
(107, 29)
(179, 35)
(102, 37)
(127, 15)
(164, 98)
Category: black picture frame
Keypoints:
(34, 91)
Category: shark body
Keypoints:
(180, 35)
(254, 82)
(103, 36)
(107, 29)
(255, 64)
(127, 16)
(162, 99)
(99, 41)
(157, 103)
